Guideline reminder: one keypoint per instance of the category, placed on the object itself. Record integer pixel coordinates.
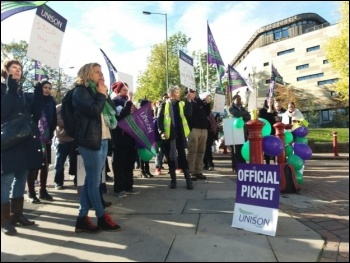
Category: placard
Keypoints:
(232, 135)
(257, 198)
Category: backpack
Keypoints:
(289, 182)
(68, 114)
(213, 125)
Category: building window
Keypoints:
(327, 81)
(285, 32)
(285, 52)
(277, 33)
(325, 115)
(318, 75)
(266, 64)
(302, 66)
(325, 61)
(309, 49)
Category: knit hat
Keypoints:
(117, 86)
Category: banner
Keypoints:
(47, 35)
(111, 69)
(40, 73)
(9, 8)
(139, 125)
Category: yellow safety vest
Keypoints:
(167, 119)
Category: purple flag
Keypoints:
(235, 80)
(139, 125)
(111, 68)
(214, 57)
(9, 8)
(275, 78)
(40, 73)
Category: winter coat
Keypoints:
(88, 108)
(28, 154)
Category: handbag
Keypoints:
(15, 131)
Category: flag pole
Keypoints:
(207, 59)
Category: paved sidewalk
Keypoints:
(163, 225)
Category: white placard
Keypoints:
(46, 37)
(232, 135)
(81, 172)
(219, 103)
(186, 71)
(124, 77)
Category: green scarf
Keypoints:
(108, 111)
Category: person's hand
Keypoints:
(38, 90)
(12, 85)
(101, 88)
(163, 136)
(130, 95)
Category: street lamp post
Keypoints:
(166, 43)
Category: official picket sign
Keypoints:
(257, 198)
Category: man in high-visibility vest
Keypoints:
(174, 130)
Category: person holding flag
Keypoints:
(124, 145)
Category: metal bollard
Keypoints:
(335, 143)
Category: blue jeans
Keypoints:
(13, 185)
(63, 150)
(94, 161)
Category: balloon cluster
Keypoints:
(272, 146)
(295, 145)
(297, 150)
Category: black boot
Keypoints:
(106, 223)
(17, 212)
(144, 174)
(147, 170)
(84, 224)
(188, 179)
(173, 178)
(6, 224)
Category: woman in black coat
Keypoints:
(19, 159)
(47, 126)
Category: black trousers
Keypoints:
(181, 155)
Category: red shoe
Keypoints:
(158, 171)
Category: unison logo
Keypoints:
(251, 218)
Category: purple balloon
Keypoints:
(302, 150)
(300, 131)
(272, 145)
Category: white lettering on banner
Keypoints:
(51, 18)
(266, 177)
(145, 119)
(257, 192)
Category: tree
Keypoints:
(337, 52)
(18, 51)
(152, 82)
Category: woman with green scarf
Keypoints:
(95, 115)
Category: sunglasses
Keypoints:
(296, 121)
(192, 91)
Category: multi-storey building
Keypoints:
(295, 47)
